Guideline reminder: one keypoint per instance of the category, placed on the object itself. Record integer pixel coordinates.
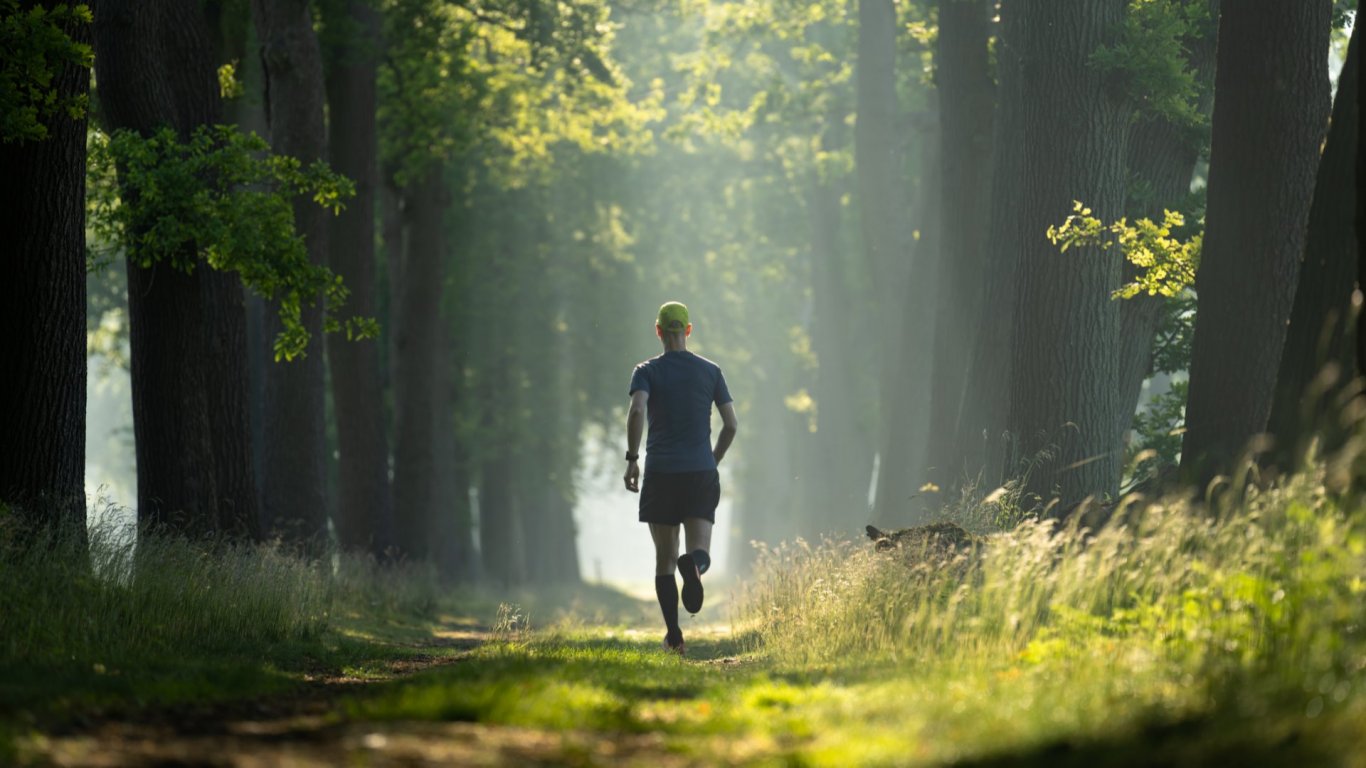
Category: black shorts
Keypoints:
(667, 498)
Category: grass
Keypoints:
(170, 622)
(1182, 633)
(1174, 635)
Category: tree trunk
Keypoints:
(1063, 399)
(417, 353)
(1162, 156)
(838, 462)
(294, 480)
(228, 402)
(877, 143)
(981, 445)
(1320, 337)
(906, 402)
(966, 100)
(156, 68)
(42, 309)
(1270, 109)
(452, 532)
(500, 526)
(364, 506)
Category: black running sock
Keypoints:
(702, 560)
(666, 589)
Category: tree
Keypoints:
(1319, 358)
(294, 498)
(1169, 138)
(966, 100)
(155, 67)
(980, 445)
(1270, 110)
(42, 296)
(364, 504)
(1063, 400)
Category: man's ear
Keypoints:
(687, 331)
(659, 331)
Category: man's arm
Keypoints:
(729, 424)
(635, 427)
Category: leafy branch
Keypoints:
(1166, 263)
(37, 44)
(223, 198)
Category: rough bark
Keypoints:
(364, 504)
(1063, 399)
(42, 309)
(1319, 358)
(981, 444)
(294, 481)
(966, 100)
(228, 402)
(156, 68)
(1162, 155)
(417, 354)
(1270, 111)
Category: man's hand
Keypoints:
(632, 477)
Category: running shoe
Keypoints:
(679, 648)
(692, 583)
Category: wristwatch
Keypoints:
(632, 456)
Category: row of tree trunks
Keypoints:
(187, 331)
(1271, 107)
(1320, 340)
(966, 100)
(42, 309)
(364, 505)
(294, 483)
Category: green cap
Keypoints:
(673, 317)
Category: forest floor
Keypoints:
(593, 687)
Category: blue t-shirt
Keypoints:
(682, 388)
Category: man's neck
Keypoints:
(675, 346)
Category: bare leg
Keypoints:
(698, 531)
(666, 546)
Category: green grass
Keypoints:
(1180, 634)
(170, 623)
(1174, 635)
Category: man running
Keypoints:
(682, 487)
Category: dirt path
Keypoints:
(307, 727)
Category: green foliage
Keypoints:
(1251, 609)
(1159, 428)
(222, 198)
(508, 81)
(1149, 57)
(229, 86)
(1167, 264)
(35, 45)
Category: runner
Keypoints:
(682, 486)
